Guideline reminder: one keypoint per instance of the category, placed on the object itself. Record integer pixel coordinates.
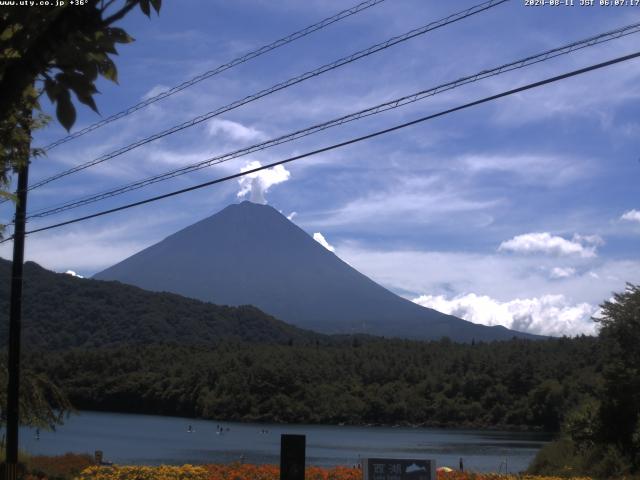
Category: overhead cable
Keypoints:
(279, 86)
(343, 144)
(392, 104)
(226, 66)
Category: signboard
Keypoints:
(292, 452)
(398, 469)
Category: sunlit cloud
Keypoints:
(545, 243)
(255, 185)
(551, 315)
(631, 216)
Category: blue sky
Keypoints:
(523, 212)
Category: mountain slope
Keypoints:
(61, 311)
(251, 254)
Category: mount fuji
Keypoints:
(250, 254)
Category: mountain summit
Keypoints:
(251, 254)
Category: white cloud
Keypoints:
(234, 130)
(256, 184)
(291, 216)
(560, 272)
(546, 315)
(318, 237)
(631, 216)
(544, 242)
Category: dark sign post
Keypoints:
(292, 452)
(398, 469)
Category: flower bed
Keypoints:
(164, 472)
(238, 471)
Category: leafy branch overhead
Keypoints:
(62, 51)
(57, 51)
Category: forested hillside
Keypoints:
(519, 383)
(61, 311)
(119, 348)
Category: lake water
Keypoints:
(152, 440)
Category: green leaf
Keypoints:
(8, 196)
(10, 31)
(118, 35)
(144, 6)
(156, 5)
(84, 88)
(78, 82)
(65, 111)
(108, 46)
(89, 68)
(108, 70)
(38, 152)
(88, 101)
(52, 89)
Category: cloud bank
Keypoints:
(545, 315)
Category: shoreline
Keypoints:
(432, 426)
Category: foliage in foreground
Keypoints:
(42, 403)
(563, 458)
(58, 51)
(601, 437)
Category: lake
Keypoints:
(153, 440)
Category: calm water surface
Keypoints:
(152, 440)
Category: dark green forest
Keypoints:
(521, 384)
(61, 311)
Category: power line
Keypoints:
(392, 104)
(203, 76)
(280, 86)
(345, 143)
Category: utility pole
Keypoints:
(15, 321)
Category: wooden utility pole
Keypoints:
(15, 325)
